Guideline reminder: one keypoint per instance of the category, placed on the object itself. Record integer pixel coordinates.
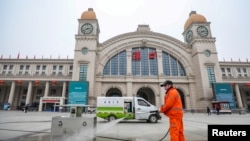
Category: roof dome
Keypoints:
(193, 17)
(88, 15)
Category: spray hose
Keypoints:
(165, 135)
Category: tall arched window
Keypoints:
(117, 65)
(172, 66)
(144, 61)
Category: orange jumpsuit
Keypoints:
(173, 109)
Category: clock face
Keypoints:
(189, 36)
(85, 50)
(87, 28)
(202, 31)
(207, 53)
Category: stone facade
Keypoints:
(197, 55)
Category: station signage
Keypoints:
(78, 92)
(50, 100)
(224, 92)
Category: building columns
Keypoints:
(159, 58)
(64, 89)
(238, 97)
(46, 92)
(191, 103)
(28, 98)
(12, 91)
(40, 105)
(129, 56)
(129, 91)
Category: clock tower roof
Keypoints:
(194, 17)
(88, 15)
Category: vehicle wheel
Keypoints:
(111, 118)
(153, 119)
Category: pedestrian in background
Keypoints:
(26, 108)
(173, 109)
(218, 110)
(208, 111)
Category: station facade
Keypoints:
(130, 64)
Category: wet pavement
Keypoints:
(36, 126)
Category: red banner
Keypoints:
(152, 55)
(136, 56)
(51, 100)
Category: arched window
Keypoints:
(144, 61)
(172, 66)
(117, 65)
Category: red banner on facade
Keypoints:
(152, 55)
(51, 100)
(136, 56)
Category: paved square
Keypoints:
(36, 126)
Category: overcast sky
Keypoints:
(45, 28)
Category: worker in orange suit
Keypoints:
(173, 109)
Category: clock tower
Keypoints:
(197, 34)
(87, 40)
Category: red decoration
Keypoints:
(136, 56)
(247, 84)
(1, 82)
(18, 55)
(19, 82)
(53, 82)
(152, 55)
(37, 82)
